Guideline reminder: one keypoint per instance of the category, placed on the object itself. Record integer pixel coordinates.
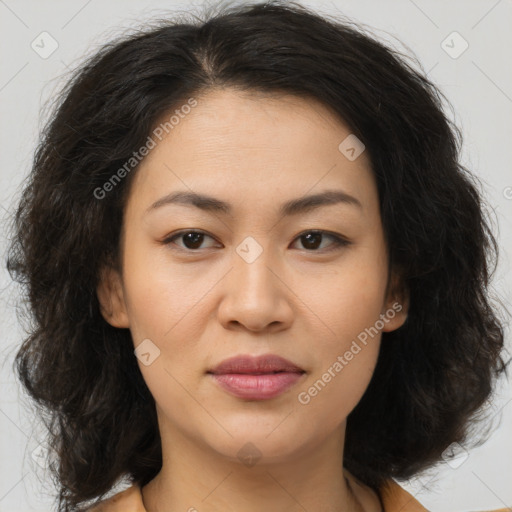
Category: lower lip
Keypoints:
(257, 387)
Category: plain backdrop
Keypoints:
(464, 46)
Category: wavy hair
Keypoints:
(433, 375)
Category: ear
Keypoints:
(396, 306)
(111, 297)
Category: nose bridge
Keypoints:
(255, 295)
(252, 264)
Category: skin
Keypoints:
(201, 306)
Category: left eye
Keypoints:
(312, 239)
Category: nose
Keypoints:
(255, 294)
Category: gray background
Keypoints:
(478, 83)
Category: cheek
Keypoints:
(349, 303)
(168, 307)
(332, 393)
(350, 299)
(162, 298)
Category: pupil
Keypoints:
(309, 237)
(194, 238)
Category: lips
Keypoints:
(256, 365)
(256, 378)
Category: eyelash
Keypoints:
(338, 241)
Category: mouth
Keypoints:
(256, 378)
(264, 364)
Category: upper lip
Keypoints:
(268, 363)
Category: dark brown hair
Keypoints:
(433, 374)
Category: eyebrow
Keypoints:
(292, 207)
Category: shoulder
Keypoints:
(129, 500)
(394, 498)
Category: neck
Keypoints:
(197, 478)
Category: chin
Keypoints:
(261, 445)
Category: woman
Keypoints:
(258, 270)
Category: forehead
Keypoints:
(259, 120)
(251, 144)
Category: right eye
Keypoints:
(192, 239)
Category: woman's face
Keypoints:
(257, 281)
